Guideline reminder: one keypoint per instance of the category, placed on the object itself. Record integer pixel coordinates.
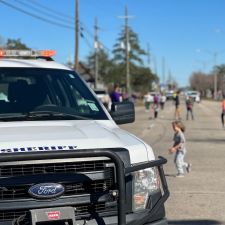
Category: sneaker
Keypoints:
(180, 175)
(189, 168)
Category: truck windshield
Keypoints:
(25, 90)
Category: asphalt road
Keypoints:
(199, 197)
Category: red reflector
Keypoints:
(53, 215)
(48, 53)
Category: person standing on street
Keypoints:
(179, 148)
(189, 106)
(156, 106)
(177, 106)
(223, 111)
(116, 95)
(147, 101)
(162, 101)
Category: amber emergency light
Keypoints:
(6, 53)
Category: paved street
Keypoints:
(199, 197)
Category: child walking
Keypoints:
(179, 148)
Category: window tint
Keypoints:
(27, 89)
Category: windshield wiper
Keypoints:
(53, 114)
(11, 116)
(38, 115)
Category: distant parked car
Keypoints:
(169, 95)
(104, 97)
(195, 95)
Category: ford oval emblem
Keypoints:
(46, 190)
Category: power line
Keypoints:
(36, 16)
(84, 28)
(87, 30)
(72, 18)
(41, 11)
(87, 42)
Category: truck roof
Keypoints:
(31, 63)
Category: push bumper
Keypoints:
(123, 218)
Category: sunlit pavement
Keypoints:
(199, 197)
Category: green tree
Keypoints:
(135, 51)
(141, 77)
(16, 44)
(105, 64)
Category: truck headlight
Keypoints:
(144, 183)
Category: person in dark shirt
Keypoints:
(223, 111)
(177, 106)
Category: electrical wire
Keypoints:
(36, 9)
(36, 16)
(84, 28)
(51, 10)
(86, 41)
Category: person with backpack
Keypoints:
(177, 106)
(189, 107)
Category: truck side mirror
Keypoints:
(123, 112)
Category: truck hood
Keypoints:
(70, 135)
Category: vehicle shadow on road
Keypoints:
(194, 222)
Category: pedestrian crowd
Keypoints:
(153, 103)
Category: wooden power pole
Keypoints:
(96, 46)
(127, 49)
(76, 63)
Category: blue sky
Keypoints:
(174, 29)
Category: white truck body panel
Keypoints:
(80, 134)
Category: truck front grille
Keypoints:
(94, 177)
(18, 191)
(32, 169)
(21, 192)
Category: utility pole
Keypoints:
(76, 63)
(155, 65)
(127, 54)
(215, 76)
(96, 46)
(163, 70)
(127, 49)
(148, 55)
(215, 55)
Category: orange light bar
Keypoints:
(17, 53)
(47, 53)
(2, 53)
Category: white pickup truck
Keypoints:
(63, 159)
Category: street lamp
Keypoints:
(215, 55)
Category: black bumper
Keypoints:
(121, 173)
(110, 221)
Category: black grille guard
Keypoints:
(121, 172)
